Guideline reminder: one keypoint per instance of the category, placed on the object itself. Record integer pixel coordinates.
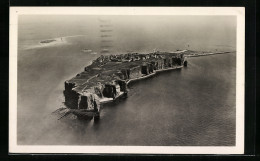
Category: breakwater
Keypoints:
(198, 54)
(106, 79)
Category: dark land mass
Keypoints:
(106, 79)
(47, 41)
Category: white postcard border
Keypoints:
(240, 79)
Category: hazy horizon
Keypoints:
(139, 33)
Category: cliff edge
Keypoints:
(107, 77)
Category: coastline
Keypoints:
(105, 100)
(88, 114)
(106, 79)
(108, 100)
(149, 75)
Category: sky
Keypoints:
(142, 32)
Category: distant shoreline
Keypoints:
(51, 42)
(47, 41)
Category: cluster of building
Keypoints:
(129, 57)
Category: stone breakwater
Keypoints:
(107, 77)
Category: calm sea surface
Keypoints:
(189, 107)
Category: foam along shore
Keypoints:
(107, 100)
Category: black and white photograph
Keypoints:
(150, 80)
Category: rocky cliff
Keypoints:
(108, 75)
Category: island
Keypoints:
(105, 80)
